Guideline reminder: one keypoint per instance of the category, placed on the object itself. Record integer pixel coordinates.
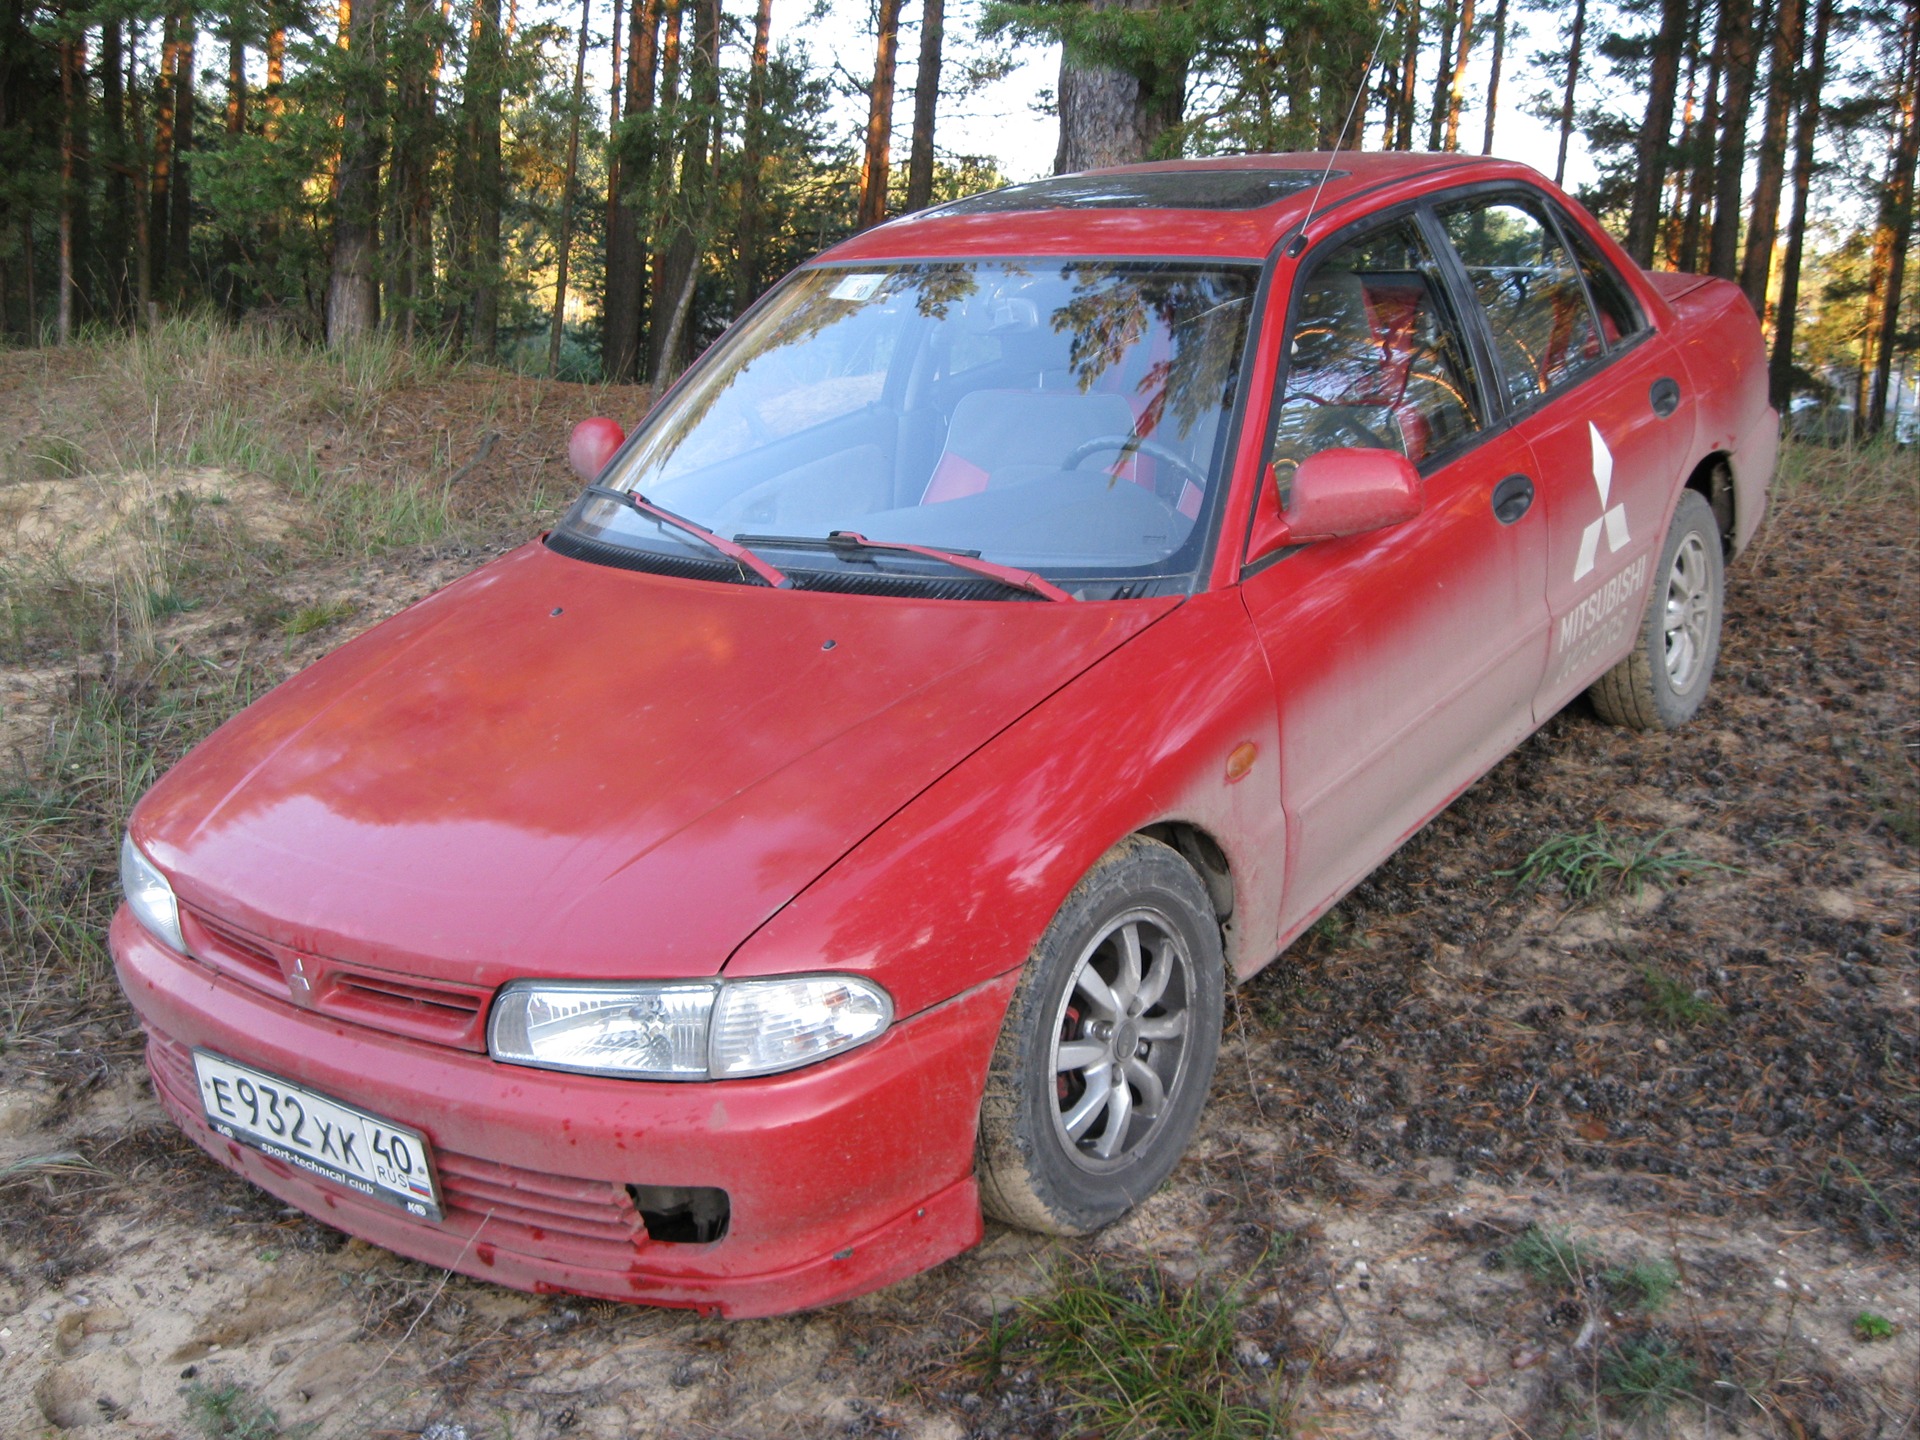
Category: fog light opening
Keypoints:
(681, 1214)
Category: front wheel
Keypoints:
(1107, 1049)
(1663, 682)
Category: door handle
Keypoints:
(1665, 396)
(1512, 498)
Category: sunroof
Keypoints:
(1141, 190)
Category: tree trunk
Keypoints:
(565, 246)
(159, 192)
(1493, 79)
(1675, 204)
(1457, 89)
(1442, 74)
(70, 64)
(1896, 212)
(236, 82)
(142, 198)
(1573, 80)
(1806, 128)
(753, 162)
(276, 76)
(626, 257)
(680, 274)
(180, 202)
(1410, 78)
(236, 125)
(1112, 115)
(1700, 185)
(484, 80)
(1764, 219)
(353, 295)
(113, 216)
(926, 104)
(1656, 131)
(873, 170)
(1723, 252)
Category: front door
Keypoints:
(1404, 661)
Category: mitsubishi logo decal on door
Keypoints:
(1613, 521)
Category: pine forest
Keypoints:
(594, 192)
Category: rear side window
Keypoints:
(1613, 302)
(1374, 359)
(1543, 330)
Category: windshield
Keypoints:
(1067, 418)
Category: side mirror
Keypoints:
(1334, 493)
(592, 445)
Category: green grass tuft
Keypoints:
(1646, 1285)
(1595, 862)
(1647, 1376)
(230, 1411)
(1672, 1004)
(1138, 1355)
(310, 618)
(1550, 1257)
(1869, 1326)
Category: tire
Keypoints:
(1062, 1149)
(1664, 681)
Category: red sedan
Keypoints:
(1025, 621)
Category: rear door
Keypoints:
(1404, 661)
(1595, 392)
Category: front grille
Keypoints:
(232, 951)
(439, 1011)
(486, 1201)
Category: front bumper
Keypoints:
(842, 1177)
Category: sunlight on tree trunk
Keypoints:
(926, 104)
(1807, 126)
(873, 169)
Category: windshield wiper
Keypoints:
(732, 549)
(846, 542)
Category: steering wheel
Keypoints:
(1127, 443)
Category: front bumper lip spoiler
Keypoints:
(842, 1177)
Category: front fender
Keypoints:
(957, 887)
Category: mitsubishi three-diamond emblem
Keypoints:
(1613, 521)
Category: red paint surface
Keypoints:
(558, 769)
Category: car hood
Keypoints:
(555, 768)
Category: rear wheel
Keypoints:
(1107, 1049)
(1664, 681)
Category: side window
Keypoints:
(1374, 359)
(1620, 317)
(1543, 330)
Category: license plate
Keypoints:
(337, 1142)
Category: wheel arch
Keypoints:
(1713, 479)
(1205, 854)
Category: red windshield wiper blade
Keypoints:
(1008, 575)
(732, 549)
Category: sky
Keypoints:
(1006, 122)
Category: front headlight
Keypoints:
(685, 1030)
(149, 895)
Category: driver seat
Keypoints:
(1002, 437)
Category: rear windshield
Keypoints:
(1142, 190)
(1068, 418)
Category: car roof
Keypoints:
(1228, 207)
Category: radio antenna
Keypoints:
(1359, 93)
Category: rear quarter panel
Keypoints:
(1718, 340)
